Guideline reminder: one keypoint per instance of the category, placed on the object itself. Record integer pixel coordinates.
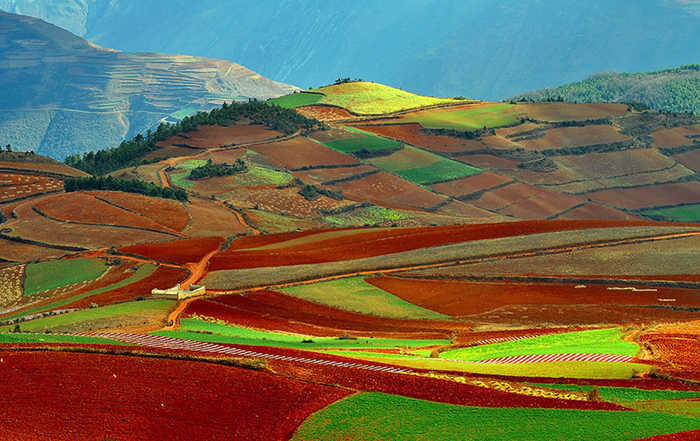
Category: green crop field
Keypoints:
(369, 142)
(200, 330)
(466, 119)
(182, 179)
(376, 416)
(51, 338)
(444, 170)
(143, 272)
(366, 216)
(686, 213)
(371, 98)
(599, 341)
(624, 394)
(406, 158)
(103, 315)
(678, 407)
(354, 294)
(296, 100)
(257, 175)
(56, 273)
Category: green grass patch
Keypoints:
(686, 213)
(599, 341)
(50, 338)
(141, 273)
(296, 100)
(354, 294)
(370, 143)
(623, 394)
(200, 330)
(444, 170)
(466, 119)
(257, 175)
(377, 417)
(56, 273)
(182, 179)
(131, 309)
(366, 216)
(371, 98)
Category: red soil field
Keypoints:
(85, 208)
(177, 251)
(219, 136)
(465, 298)
(95, 396)
(649, 196)
(320, 175)
(268, 239)
(574, 137)
(162, 278)
(569, 111)
(612, 164)
(16, 186)
(301, 152)
(674, 137)
(503, 197)
(287, 313)
(411, 133)
(31, 225)
(57, 168)
(471, 184)
(20, 252)
(595, 211)
(690, 159)
(680, 352)
(209, 218)
(324, 113)
(542, 204)
(466, 210)
(390, 191)
(288, 201)
(166, 212)
(691, 435)
(488, 162)
(358, 243)
(228, 156)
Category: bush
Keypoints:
(210, 170)
(126, 185)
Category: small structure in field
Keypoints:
(177, 293)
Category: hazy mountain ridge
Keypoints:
(433, 47)
(63, 95)
(673, 90)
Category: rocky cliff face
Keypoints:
(63, 95)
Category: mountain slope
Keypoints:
(476, 48)
(64, 95)
(675, 90)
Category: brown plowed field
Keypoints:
(86, 208)
(219, 136)
(677, 256)
(469, 211)
(16, 186)
(320, 175)
(499, 143)
(209, 218)
(227, 156)
(611, 164)
(503, 197)
(324, 113)
(177, 251)
(288, 201)
(391, 191)
(458, 298)
(411, 133)
(162, 278)
(11, 285)
(57, 168)
(359, 243)
(595, 211)
(301, 152)
(515, 131)
(574, 137)
(277, 223)
(166, 212)
(471, 184)
(31, 225)
(543, 204)
(569, 111)
(488, 162)
(690, 159)
(100, 397)
(20, 252)
(675, 137)
(146, 172)
(650, 196)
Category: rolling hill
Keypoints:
(671, 90)
(63, 95)
(433, 47)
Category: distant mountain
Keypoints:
(63, 95)
(475, 48)
(674, 90)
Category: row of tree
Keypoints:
(131, 153)
(126, 185)
(211, 170)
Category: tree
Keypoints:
(8, 147)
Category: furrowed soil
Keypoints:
(177, 251)
(166, 212)
(301, 152)
(649, 196)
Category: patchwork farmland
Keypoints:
(372, 265)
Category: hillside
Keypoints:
(433, 47)
(63, 95)
(671, 90)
